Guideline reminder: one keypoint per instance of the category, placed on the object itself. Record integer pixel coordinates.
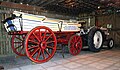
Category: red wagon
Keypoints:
(38, 36)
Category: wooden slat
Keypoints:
(5, 39)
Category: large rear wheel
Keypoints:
(95, 39)
(40, 44)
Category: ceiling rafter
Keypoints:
(35, 2)
(47, 3)
(70, 6)
(42, 2)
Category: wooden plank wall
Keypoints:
(5, 39)
(113, 19)
(117, 29)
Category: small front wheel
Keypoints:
(17, 44)
(75, 45)
(110, 43)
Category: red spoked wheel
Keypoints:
(75, 45)
(40, 44)
(18, 44)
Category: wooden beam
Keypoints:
(47, 3)
(20, 6)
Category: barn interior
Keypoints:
(100, 13)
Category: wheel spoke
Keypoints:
(72, 46)
(73, 40)
(50, 47)
(40, 35)
(44, 34)
(48, 37)
(36, 37)
(77, 39)
(43, 54)
(21, 49)
(47, 52)
(38, 55)
(33, 53)
(18, 47)
(33, 41)
(32, 47)
(50, 42)
(17, 42)
(77, 48)
(19, 38)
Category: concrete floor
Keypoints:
(86, 60)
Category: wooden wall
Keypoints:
(5, 39)
(116, 30)
(113, 19)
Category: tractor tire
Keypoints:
(110, 43)
(95, 39)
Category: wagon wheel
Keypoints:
(75, 45)
(18, 44)
(95, 39)
(40, 44)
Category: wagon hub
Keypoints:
(42, 45)
(77, 44)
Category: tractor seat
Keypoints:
(82, 23)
